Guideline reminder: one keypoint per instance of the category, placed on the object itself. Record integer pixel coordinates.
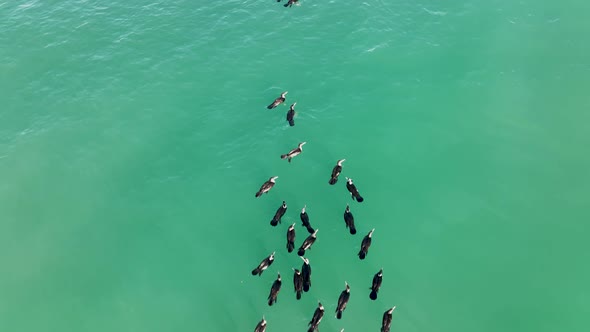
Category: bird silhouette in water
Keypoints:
(290, 3)
(342, 301)
(353, 191)
(261, 326)
(336, 172)
(278, 101)
(386, 322)
(291, 115)
(264, 264)
(266, 186)
(366, 244)
(294, 153)
(376, 285)
(349, 220)
(297, 283)
(274, 290)
(305, 220)
(279, 214)
(307, 243)
(317, 318)
(291, 238)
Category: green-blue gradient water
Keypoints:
(134, 134)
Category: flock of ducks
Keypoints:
(302, 278)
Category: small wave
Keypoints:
(27, 5)
(375, 47)
(437, 13)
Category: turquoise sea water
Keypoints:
(133, 136)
